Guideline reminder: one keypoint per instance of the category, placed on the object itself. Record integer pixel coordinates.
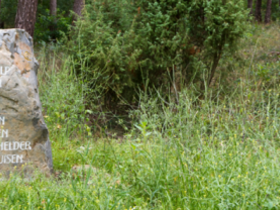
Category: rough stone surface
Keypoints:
(24, 140)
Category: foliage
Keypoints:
(51, 28)
(275, 9)
(8, 12)
(136, 44)
(62, 93)
(221, 154)
(218, 153)
(47, 28)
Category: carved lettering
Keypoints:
(7, 159)
(4, 70)
(15, 145)
(28, 145)
(2, 120)
(4, 133)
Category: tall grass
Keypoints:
(218, 153)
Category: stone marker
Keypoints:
(24, 140)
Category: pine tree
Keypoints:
(258, 14)
(53, 9)
(53, 6)
(268, 11)
(250, 6)
(1, 22)
(26, 15)
(78, 7)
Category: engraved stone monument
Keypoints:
(24, 140)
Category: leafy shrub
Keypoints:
(8, 13)
(129, 45)
(49, 27)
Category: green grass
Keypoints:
(222, 152)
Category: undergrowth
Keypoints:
(180, 152)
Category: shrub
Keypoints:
(128, 45)
(49, 28)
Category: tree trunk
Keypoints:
(250, 6)
(53, 9)
(259, 11)
(78, 7)
(53, 6)
(1, 22)
(268, 12)
(26, 15)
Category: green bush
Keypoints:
(128, 45)
(49, 28)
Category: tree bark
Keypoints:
(78, 7)
(259, 11)
(53, 9)
(53, 6)
(250, 6)
(1, 22)
(268, 12)
(26, 15)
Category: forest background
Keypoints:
(154, 104)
